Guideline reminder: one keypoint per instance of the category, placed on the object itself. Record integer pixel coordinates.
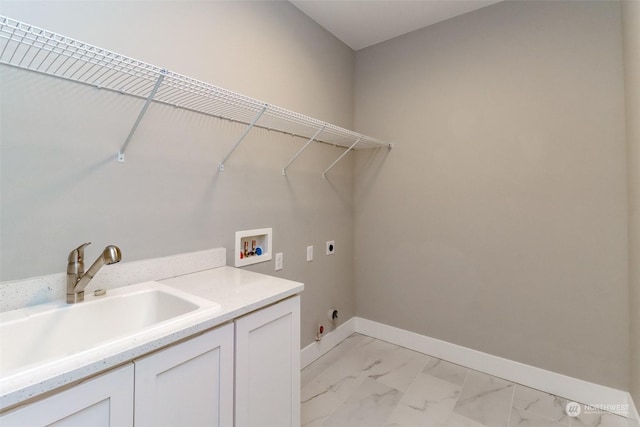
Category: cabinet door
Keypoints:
(188, 384)
(268, 366)
(105, 400)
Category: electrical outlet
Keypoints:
(309, 253)
(279, 261)
(331, 247)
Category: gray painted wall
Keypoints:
(61, 185)
(631, 27)
(500, 220)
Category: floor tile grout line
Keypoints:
(464, 383)
(342, 401)
(415, 378)
(513, 397)
(322, 420)
(326, 353)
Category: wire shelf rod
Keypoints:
(315, 135)
(324, 174)
(34, 55)
(242, 137)
(62, 63)
(139, 119)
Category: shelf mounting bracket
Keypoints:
(284, 169)
(163, 73)
(324, 174)
(246, 131)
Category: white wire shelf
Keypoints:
(31, 48)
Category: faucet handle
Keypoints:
(77, 255)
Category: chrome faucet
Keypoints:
(77, 279)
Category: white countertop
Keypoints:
(237, 291)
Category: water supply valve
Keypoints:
(320, 332)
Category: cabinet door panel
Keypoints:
(189, 384)
(268, 366)
(96, 415)
(103, 401)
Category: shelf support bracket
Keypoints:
(284, 169)
(324, 174)
(246, 131)
(163, 73)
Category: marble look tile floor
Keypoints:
(371, 383)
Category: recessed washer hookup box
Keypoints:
(253, 246)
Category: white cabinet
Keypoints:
(105, 400)
(268, 366)
(190, 384)
(187, 384)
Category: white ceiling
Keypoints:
(362, 23)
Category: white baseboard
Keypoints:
(540, 379)
(316, 349)
(551, 382)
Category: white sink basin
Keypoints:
(39, 335)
